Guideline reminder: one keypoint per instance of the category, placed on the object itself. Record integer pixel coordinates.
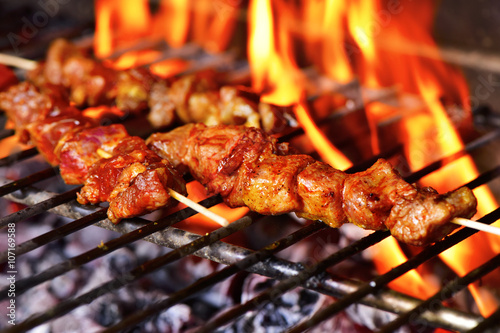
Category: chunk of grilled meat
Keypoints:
(134, 181)
(89, 82)
(197, 98)
(47, 133)
(77, 152)
(26, 104)
(250, 168)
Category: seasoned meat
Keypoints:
(78, 150)
(161, 107)
(133, 88)
(89, 82)
(133, 181)
(249, 168)
(26, 104)
(45, 134)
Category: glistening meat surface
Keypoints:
(250, 168)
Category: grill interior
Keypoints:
(277, 255)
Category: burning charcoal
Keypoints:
(372, 318)
(120, 262)
(178, 318)
(27, 305)
(74, 323)
(65, 286)
(284, 311)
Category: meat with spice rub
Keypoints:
(250, 168)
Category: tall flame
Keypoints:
(172, 21)
(274, 71)
(431, 135)
(119, 21)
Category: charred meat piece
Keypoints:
(47, 133)
(133, 87)
(26, 104)
(89, 82)
(196, 98)
(78, 150)
(250, 168)
(134, 181)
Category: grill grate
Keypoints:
(209, 246)
(265, 261)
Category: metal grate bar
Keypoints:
(147, 267)
(484, 178)
(446, 292)
(381, 281)
(39, 208)
(5, 133)
(56, 234)
(29, 180)
(219, 276)
(488, 325)
(23, 284)
(301, 278)
(16, 157)
(485, 139)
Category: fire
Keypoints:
(118, 22)
(274, 71)
(431, 134)
(169, 67)
(324, 147)
(172, 22)
(100, 112)
(384, 44)
(199, 222)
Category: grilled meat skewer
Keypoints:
(134, 180)
(250, 168)
(189, 98)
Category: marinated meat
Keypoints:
(89, 82)
(250, 168)
(78, 150)
(46, 134)
(134, 181)
(26, 104)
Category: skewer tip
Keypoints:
(17, 62)
(476, 225)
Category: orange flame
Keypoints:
(99, 112)
(274, 71)
(119, 21)
(200, 223)
(213, 23)
(431, 135)
(172, 21)
(324, 147)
